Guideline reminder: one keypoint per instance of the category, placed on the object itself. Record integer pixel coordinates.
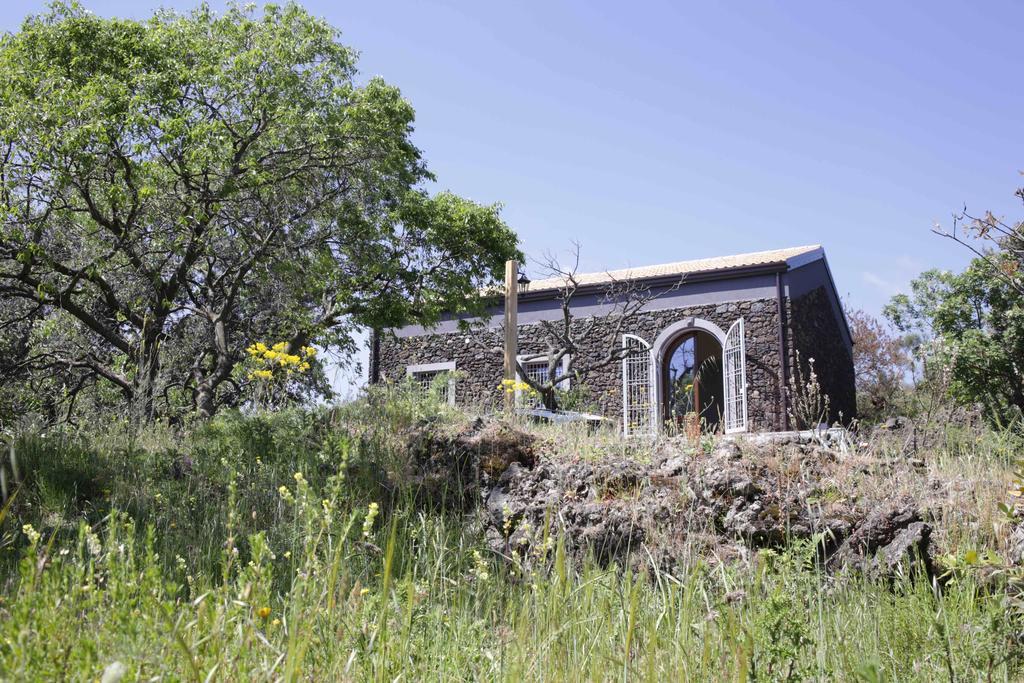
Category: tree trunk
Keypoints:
(202, 398)
(205, 394)
(550, 399)
(147, 375)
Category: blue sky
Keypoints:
(655, 132)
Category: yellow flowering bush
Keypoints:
(277, 375)
(511, 386)
(274, 361)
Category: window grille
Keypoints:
(637, 412)
(735, 379)
(537, 370)
(426, 376)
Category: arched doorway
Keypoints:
(691, 381)
(724, 403)
(693, 367)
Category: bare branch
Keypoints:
(568, 338)
(1007, 252)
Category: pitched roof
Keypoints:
(792, 256)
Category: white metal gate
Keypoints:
(734, 379)
(637, 406)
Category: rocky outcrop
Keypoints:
(447, 469)
(738, 498)
(603, 509)
(890, 540)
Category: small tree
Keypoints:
(880, 362)
(578, 347)
(971, 328)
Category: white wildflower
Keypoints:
(371, 515)
(480, 569)
(30, 531)
(92, 542)
(114, 672)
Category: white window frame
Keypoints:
(647, 359)
(734, 378)
(524, 358)
(444, 366)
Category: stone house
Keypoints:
(721, 338)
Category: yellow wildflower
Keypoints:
(263, 612)
(285, 493)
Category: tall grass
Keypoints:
(181, 557)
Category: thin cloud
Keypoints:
(909, 264)
(880, 283)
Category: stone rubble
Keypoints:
(741, 497)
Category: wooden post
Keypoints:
(511, 327)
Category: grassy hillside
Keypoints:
(299, 546)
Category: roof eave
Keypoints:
(669, 280)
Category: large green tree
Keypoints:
(971, 325)
(176, 189)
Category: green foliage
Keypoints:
(176, 189)
(970, 327)
(577, 397)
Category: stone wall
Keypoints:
(816, 334)
(478, 357)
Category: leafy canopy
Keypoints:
(973, 323)
(176, 189)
